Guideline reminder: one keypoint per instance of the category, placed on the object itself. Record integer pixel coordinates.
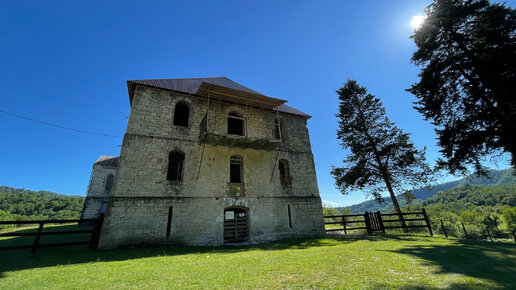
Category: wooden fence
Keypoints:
(376, 221)
(92, 242)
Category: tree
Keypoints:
(467, 51)
(382, 156)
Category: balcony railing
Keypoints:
(267, 138)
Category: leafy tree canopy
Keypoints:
(467, 51)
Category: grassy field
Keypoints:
(378, 261)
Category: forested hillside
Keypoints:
(496, 178)
(22, 204)
(475, 206)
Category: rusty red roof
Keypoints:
(217, 85)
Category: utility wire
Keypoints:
(57, 126)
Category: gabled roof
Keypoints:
(219, 88)
(107, 161)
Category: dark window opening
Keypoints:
(235, 124)
(181, 115)
(169, 222)
(176, 162)
(276, 130)
(235, 174)
(289, 217)
(109, 182)
(284, 172)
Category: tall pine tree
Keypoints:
(382, 157)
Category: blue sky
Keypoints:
(67, 62)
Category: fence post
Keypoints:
(36, 239)
(491, 238)
(367, 223)
(380, 221)
(427, 222)
(464, 228)
(344, 224)
(94, 241)
(444, 229)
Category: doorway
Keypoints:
(236, 225)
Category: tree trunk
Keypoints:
(395, 203)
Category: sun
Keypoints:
(417, 21)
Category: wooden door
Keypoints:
(236, 228)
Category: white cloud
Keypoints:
(328, 203)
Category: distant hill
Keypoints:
(22, 204)
(496, 178)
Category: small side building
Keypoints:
(99, 187)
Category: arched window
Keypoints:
(277, 130)
(284, 171)
(109, 182)
(181, 114)
(235, 124)
(176, 162)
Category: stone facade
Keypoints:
(99, 187)
(146, 208)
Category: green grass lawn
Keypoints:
(377, 261)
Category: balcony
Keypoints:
(239, 135)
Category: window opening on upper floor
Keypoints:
(109, 182)
(284, 172)
(181, 114)
(176, 162)
(235, 124)
(277, 130)
(236, 170)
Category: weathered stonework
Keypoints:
(142, 197)
(98, 195)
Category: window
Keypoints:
(181, 114)
(235, 169)
(276, 130)
(236, 178)
(176, 162)
(235, 124)
(284, 172)
(109, 182)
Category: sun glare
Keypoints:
(417, 21)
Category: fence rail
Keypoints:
(92, 242)
(374, 221)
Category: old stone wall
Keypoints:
(141, 196)
(97, 192)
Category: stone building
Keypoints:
(208, 161)
(99, 187)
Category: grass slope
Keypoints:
(378, 261)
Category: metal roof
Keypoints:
(107, 161)
(219, 88)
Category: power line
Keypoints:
(57, 126)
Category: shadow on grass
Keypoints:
(15, 260)
(478, 259)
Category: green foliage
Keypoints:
(478, 207)
(509, 216)
(467, 50)
(21, 204)
(494, 178)
(382, 156)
